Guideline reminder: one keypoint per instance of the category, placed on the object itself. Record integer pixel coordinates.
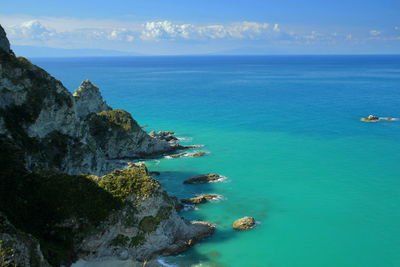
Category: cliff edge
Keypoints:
(61, 196)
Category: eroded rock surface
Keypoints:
(244, 223)
(199, 199)
(4, 43)
(205, 178)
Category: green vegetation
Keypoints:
(137, 241)
(149, 224)
(164, 212)
(39, 203)
(121, 183)
(115, 124)
(7, 254)
(120, 241)
(115, 119)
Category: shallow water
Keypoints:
(286, 131)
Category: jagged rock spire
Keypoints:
(88, 99)
(4, 43)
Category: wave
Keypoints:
(222, 179)
(185, 139)
(165, 264)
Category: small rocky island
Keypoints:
(244, 223)
(373, 118)
(63, 194)
(205, 178)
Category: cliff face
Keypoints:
(51, 213)
(39, 113)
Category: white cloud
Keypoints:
(374, 32)
(32, 30)
(159, 30)
(130, 35)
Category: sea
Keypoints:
(323, 186)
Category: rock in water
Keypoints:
(197, 154)
(244, 223)
(199, 199)
(186, 154)
(205, 178)
(4, 43)
(371, 118)
(48, 137)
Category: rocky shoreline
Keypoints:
(73, 149)
(90, 202)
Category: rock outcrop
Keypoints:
(244, 223)
(61, 198)
(204, 178)
(4, 43)
(186, 154)
(39, 113)
(371, 118)
(18, 248)
(200, 199)
(147, 225)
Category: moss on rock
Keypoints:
(120, 241)
(7, 254)
(131, 181)
(137, 240)
(164, 212)
(149, 224)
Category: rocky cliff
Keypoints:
(39, 113)
(60, 196)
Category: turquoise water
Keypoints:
(323, 186)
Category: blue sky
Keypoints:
(207, 27)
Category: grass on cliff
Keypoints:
(57, 208)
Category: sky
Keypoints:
(181, 27)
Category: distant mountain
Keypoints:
(36, 51)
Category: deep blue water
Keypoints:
(286, 130)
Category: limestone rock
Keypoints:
(74, 134)
(186, 154)
(89, 100)
(4, 43)
(371, 118)
(152, 227)
(244, 223)
(199, 199)
(18, 248)
(205, 178)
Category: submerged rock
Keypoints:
(199, 199)
(197, 154)
(174, 156)
(244, 223)
(193, 146)
(205, 178)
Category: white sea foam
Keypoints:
(165, 264)
(221, 179)
(186, 154)
(218, 198)
(185, 139)
(389, 118)
(187, 207)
